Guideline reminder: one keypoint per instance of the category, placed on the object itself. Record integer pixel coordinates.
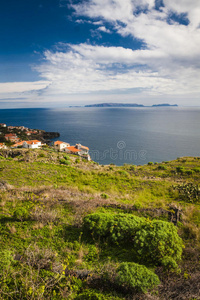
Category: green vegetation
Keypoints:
(136, 276)
(72, 229)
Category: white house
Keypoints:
(72, 150)
(82, 149)
(33, 144)
(3, 146)
(60, 146)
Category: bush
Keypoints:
(132, 275)
(153, 242)
(157, 242)
(66, 157)
(41, 155)
(162, 167)
(189, 192)
(90, 295)
(6, 258)
(150, 163)
(63, 161)
(180, 169)
(21, 214)
(104, 196)
(116, 227)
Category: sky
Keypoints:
(56, 53)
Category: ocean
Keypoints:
(119, 135)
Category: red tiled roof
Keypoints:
(58, 143)
(32, 142)
(84, 147)
(10, 135)
(18, 144)
(73, 149)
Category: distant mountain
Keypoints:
(128, 105)
(115, 105)
(164, 104)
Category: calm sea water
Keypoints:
(119, 135)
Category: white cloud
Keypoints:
(85, 68)
(191, 7)
(171, 58)
(104, 29)
(22, 87)
(167, 66)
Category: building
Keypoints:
(3, 146)
(83, 149)
(72, 150)
(19, 144)
(60, 146)
(11, 127)
(12, 137)
(33, 144)
(2, 124)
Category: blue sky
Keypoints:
(75, 52)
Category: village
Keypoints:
(12, 137)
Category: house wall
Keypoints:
(62, 146)
(31, 146)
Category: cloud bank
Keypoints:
(167, 65)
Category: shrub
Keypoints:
(150, 163)
(21, 214)
(132, 168)
(180, 169)
(6, 258)
(157, 242)
(90, 295)
(132, 275)
(66, 157)
(63, 161)
(104, 196)
(162, 167)
(189, 172)
(116, 227)
(190, 192)
(153, 242)
(41, 155)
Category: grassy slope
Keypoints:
(56, 197)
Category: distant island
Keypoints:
(128, 105)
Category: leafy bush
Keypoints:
(150, 163)
(180, 170)
(41, 155)
(153, 242)
(90, 295)
(136, 276)
(6, 258)
(104, 196)
(157, 242)
(190, 192)
(66, 157)
(162, 167)
(21, 214)
(116, 227)
(64, 161)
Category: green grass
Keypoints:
(42, 206)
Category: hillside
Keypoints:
(128, 105)
(72, 229)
